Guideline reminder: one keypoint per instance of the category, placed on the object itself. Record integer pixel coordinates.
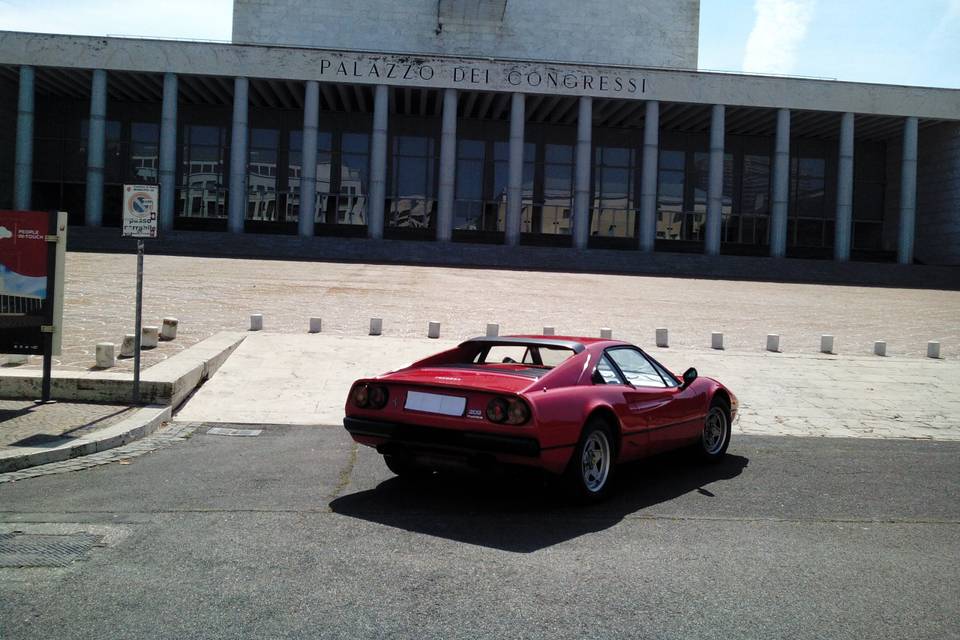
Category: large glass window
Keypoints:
(754, 215)
(670, 218)
(202, 187)
(144, 162)
(412, 188)
(354, 179)
(557, 206)
(470, 212)
(868, 195)
(614, 212)
(264, 152)
(807, 224)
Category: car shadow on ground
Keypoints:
(523, 512)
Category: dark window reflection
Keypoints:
(614, 213)
(202, 189)
(412, 189)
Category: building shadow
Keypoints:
(523, 512)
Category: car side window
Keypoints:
(606, 373)
(637, 369)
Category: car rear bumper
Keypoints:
(420, 439)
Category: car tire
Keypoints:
(589, 474)
(715, 436)
(406, 468)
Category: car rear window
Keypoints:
(539, 356)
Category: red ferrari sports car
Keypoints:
(574, 407)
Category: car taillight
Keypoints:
(361, 396)
(370, 396)
(378, 396)
(517, 412)
(510, 411)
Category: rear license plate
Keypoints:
(435, 403)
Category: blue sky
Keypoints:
(887, 41)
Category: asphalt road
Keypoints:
(298, 534)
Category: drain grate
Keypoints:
(241, 433)
(30, 550)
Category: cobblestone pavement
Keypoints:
(167, 435)
(23, 419)
(214, 294)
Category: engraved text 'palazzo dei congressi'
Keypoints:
(494, 76)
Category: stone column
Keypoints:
(378, 161)
(844, 221)
(168, 151)
(448, 166)
(23, 166)
(715, 186)
(584, 164)
(96, 147)
(781, 186)
(908, 192)
(308, 159)
(237, 211)
(518, 121)
(649, 176)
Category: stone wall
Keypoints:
(655, 33)
(938, 195)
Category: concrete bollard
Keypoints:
(149, 337)
(128, 346)
(433, 330)
(316, 325)
(933, 350)
(106, 355)
(376, 326)
(17, 358)
(493, 330)
(663, 338)
(716, 340)
(168, 330)
(826, 344)
(880, 348)
(606, 333)
(549, 331)
(256, 322)
(773, 342)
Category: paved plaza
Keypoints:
(208, 295)
(303, 379)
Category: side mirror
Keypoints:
(688, 377)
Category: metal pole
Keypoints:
(139, 320)
(48, 304)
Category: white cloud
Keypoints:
(189, 19)
(5, 234)
(779, 30)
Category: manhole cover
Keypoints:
(31, 550)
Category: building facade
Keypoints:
(480, 121)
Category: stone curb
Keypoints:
(166, 383)
(143, 422)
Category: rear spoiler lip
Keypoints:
(573, 345)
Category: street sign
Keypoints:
(140, 211)
(139, 221)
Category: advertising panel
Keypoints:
(29, 266)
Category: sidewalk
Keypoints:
(24, 423)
